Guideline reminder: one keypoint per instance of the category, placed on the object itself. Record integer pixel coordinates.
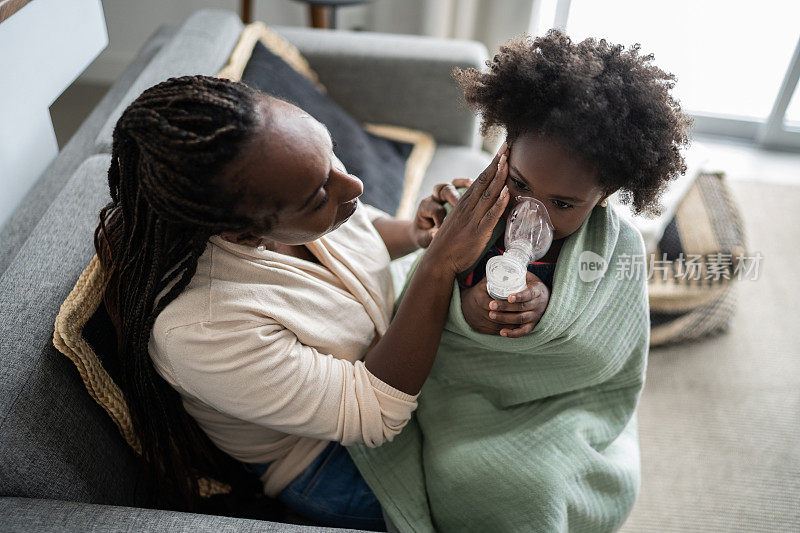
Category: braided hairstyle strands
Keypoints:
(169, 147)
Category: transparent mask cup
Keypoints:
(529, 234)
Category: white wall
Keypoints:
(52, 42)
(130, 23)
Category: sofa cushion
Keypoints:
(82, 331)
(450, 162)
(32, 515)
(389, 160)
(396, 79)
(45, 413)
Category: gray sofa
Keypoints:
(718, 419)
(63, 464)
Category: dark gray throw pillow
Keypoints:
(380, 163)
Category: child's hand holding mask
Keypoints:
(513, 318)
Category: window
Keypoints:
(734, 60)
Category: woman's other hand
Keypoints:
(431, 212)
(514, 318)
(464, 233)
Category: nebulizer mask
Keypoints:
(529, 234)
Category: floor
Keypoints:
(718, 419)
(741, 161)
(72, 107)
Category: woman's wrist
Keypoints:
(411, 232)
(437, 265)
(404, 356)
(397, 235)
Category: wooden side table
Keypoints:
(322, 13)
(9, 7)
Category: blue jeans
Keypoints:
(331, 492)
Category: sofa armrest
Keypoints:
(35, 515)
(395, 79)
(201, 45)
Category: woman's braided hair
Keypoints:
(169, 148)
(607, 105)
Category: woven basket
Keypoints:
(692, 289)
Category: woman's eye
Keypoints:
(519, 185)
(338, 165)
(561, 205)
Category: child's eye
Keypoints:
(561, 205)
(519, 185)
(323, 202)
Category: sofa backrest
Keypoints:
(202, 46)
(55, 441)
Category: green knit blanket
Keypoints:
(537, 433)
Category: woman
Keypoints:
(539, 433)
(251, 295)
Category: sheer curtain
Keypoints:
(491, 22)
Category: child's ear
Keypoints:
(604, 199)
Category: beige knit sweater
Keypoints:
(266, 349)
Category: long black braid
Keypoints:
(169, 149)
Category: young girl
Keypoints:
(538, 432)
(583, 121)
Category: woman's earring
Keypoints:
(604, 202)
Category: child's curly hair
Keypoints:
(606, 104)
